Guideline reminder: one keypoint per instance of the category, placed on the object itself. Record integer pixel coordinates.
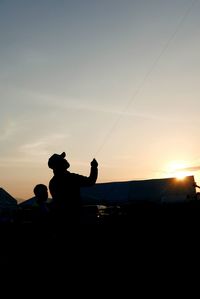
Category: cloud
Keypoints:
(42, 147)
(36, 150)
(8, 129)
(192, 168)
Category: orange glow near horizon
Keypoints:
(178, 170)
(181, 175)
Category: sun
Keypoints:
(181, 175)
(178, 170)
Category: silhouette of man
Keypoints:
(65, 188)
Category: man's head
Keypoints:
(58, 162)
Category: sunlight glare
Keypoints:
(181, 175)
(178, 170)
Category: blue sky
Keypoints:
(118, 80)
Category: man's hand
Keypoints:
(94, 163)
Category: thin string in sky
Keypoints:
(147, 75)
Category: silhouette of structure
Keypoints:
(158, 191)
(8, 207)
(135, 201)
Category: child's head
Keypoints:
(41, 192)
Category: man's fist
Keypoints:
(94, 163)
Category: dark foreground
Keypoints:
(136, 237)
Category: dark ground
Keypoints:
(140, 237)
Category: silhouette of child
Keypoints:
(40, 207)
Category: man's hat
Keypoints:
(56, 160)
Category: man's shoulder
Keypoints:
(76, 175)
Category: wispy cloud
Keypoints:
(42, 147)
(56, 102)
(8, 129)
(37, 150)
(192, 168)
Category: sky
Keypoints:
(115, 80)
